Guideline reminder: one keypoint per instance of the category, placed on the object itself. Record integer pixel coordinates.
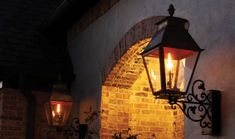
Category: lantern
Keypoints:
(170, 58)
(59, 106)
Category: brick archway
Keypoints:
(126, 98)
(140, 31)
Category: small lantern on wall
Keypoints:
(59, 106)
(57, 111)
(170, 60)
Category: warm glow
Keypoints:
(58, 108)
(182, 86)
(183, 62)
(53, 114)
(135, 107)
(153, 75)
(169, 62)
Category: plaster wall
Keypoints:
(212, 25)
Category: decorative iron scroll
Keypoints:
(197, 105)
(82, 131)
(73, 129)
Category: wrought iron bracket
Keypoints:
(75, 130)
(81, 131)
(201, 106)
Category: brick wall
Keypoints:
(21, 42)
(24, 47)
(13, 116)
(128, 102)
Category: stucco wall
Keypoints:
(212, 25)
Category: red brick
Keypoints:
(142, 94)
(104, 105)
(141, 105)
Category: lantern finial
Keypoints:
(171, 10)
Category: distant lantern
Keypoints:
(59, 106)
(171, 58)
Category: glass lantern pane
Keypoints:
(179, 65)
(153, 71)
(48, 112)
(60, 112)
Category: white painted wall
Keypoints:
(212, 25)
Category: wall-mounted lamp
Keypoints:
(59, 106)
(170, 60)
(58, 109)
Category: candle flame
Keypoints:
(169, 62)
(182, 86)
(183, 62)
(153, 75)
(58, 108)
(53, 114)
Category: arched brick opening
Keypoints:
(126, 97)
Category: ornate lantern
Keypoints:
(59, 106)
(170, 60)
(171, 57)
(57, 111)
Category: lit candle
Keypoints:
(153, 75)
(57, 115)
(169, 68)
(153, 79)
(53, 114)
(58, 108)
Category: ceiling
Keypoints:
(33, 41)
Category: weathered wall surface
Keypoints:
(211, 25)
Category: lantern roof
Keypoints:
(60, 93)
(172, 32)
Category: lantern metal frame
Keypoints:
(72, 129)
(200, 105)
(60, 95)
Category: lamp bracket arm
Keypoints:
(200, 105)
(196, 112)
